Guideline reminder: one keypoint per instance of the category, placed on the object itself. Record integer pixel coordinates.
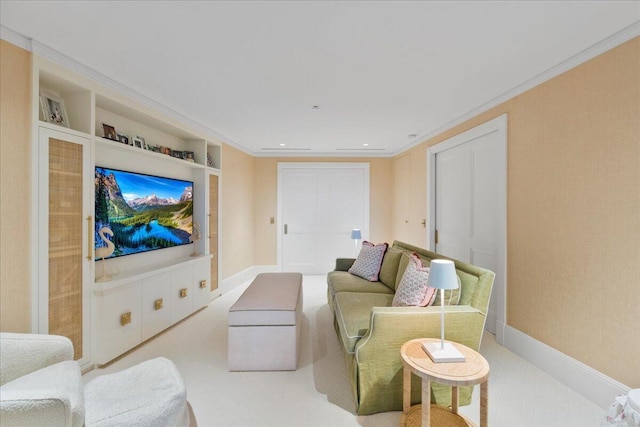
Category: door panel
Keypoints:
(213, 229)
(319, 208)
(65, 220)
(470, 201)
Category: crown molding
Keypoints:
(591, 52)
(17, 39)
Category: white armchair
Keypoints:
(41, 385)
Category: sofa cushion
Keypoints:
(369, 260)
(39, 389)
(389, 268)
(341, 281)
(353, 313)
(413, 289)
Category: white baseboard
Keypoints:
(246, 275)
(590, 383)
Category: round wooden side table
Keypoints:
(474, 370)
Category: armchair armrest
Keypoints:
(344, 264)
(36, 407)
(21, 354)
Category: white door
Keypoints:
(318, 206)
(469, 205)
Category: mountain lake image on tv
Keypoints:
(145, 212)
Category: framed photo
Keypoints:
(188, 155)
(176, 153)
(53, 109)
(165, 150)
(109, 132)
(123, 138)
(138, 141)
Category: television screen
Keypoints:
(144, 212)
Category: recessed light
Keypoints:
(412, 136)
(365, 145)
(282, 145)
(315, 107)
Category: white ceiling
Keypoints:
(379, 71)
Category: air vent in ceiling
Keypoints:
(284, 149)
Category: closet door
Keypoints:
(65, 238)
(213, 229)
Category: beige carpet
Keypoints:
(318, 393)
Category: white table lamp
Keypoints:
(442, 275)
(356, 235)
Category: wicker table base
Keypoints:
(440, 416)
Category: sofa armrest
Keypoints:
(35, 408)
(377, 353)
(391, 327)
(21, 354)
(344, 264)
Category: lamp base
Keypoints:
(448, 354)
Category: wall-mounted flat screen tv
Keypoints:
(145, 212)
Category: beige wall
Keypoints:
(15, 181)
(573, 210)
(266, 184)
(237, 211)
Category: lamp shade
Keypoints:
(442, 274)
(356, 234)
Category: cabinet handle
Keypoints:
(183, 293)
(203, 284)
(125, 318)
(89, 239)
(158, 304)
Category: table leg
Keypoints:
(406, 389)
(426, 402)
(454, 399)
(484, 404)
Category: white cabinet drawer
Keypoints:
(181, 293)
(121, 321)
(156, 305)
(201, 276)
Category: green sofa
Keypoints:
(371, 331)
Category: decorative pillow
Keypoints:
(412, 289)
(369, 260)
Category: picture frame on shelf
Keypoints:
(123, 138)
(188, 156)
(109, 132)
(138, 141)
(209, 160)
(53, 109)
(165, 150)
(176, 153)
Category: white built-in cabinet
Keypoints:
(147, 292)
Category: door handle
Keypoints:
(286, 228)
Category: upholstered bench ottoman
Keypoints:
(264, 324)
